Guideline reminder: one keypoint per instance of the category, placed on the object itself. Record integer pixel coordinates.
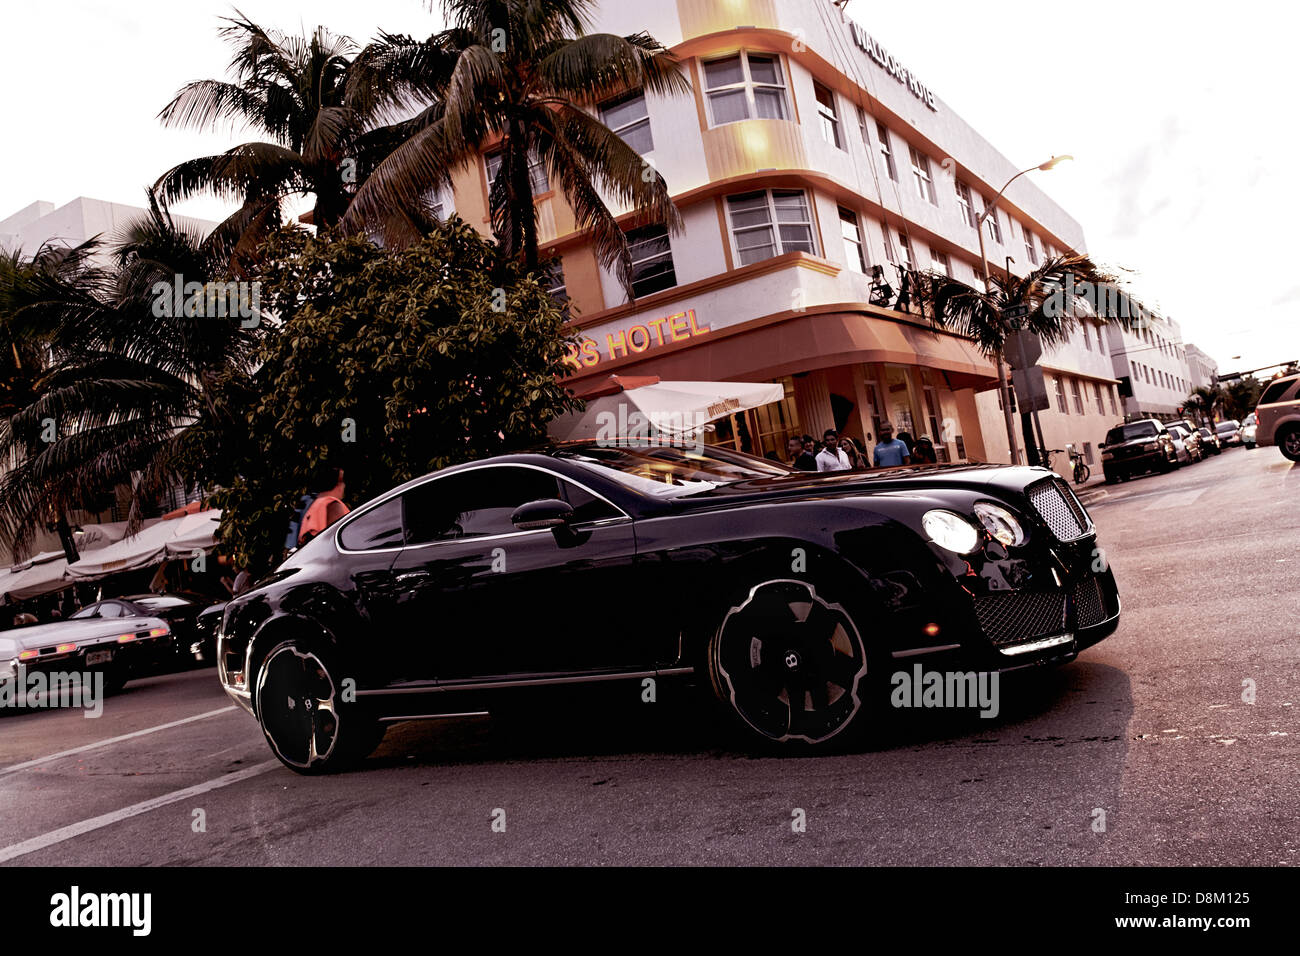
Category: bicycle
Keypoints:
(1080, 468)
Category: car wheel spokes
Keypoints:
(792, 663)
(297, 706)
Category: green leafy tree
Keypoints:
(390, 364)
(1205, 399)
(520, 76)
(1241, 397)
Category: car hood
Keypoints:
(972, 477)
(77, 632)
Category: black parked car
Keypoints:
(781, 589)
(1210, 442)
(1137, 447)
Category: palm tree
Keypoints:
(126, 377)
(519, 77)
(1206, 398)
(1049, 293)
(302, 94)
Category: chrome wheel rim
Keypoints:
(296, 705)
(791, 663)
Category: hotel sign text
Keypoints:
(892, 66)
(622, 342)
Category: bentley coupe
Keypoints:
(786, 594)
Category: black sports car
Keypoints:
(591, 562)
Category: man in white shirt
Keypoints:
(832, 457)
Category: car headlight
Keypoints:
(1000, 523)
(950, 530)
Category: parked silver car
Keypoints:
(86, 646)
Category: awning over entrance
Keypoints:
(803, 343)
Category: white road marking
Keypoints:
(1178, 499)
(108, 819)
(14, 768)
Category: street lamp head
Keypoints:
(1052, 163)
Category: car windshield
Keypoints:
(671, 470)
(1122, 433)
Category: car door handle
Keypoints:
(412, 576)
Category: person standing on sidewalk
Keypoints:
(327, 507)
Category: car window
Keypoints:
(586, 506)
(85, 612)
(473, 503)
(1122, 433)
(111, 609)
(1274, 392)
(380, 527)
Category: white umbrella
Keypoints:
(645, 407)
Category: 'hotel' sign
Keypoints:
(891, 66)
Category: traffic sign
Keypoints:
(1023, 349)
(1031, 389)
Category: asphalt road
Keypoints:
(1147, 733)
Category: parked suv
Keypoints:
(1134, 447)
(1278, 416)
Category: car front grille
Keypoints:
(1089, 604)
(1016, 618)
(1055, 502)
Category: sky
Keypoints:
(1178, 115)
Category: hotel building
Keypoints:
(812, 171)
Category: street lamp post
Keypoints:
(984, 264)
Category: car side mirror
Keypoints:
(546, 513)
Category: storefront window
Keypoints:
(899, 401)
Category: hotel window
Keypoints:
(1101, 407)
(652, 260)
(1101, 340)
(1030, 248)
(629, 120)
(769, 223)
(1110, 391)
(1078, 395)
(536, 172)
(964, 204)
(921, 175)
(830, 120)
(862, 130)
(1060, 395)
(995, 226)
(1087, 337)
(551, 275)
(939, 262)
(743, 86)
(886, 153)
(906, 245)
(855, 255)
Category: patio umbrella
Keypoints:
(645, 407)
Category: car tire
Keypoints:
(300, 707)
(1288, 442)
(787, 640)
(115, 679)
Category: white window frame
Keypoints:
(886, 151)
(921, 175)
(1030, 246)
(773, 223)
(643, 121)
(940, 259)
(535, 165)
(828, 115)
(655, 257)
(994, 224)
(748, 85)
(965, 203)
(856, 241)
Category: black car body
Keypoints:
(594, 563)
(1210, 443)
(203, 645)
(1137, 447)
